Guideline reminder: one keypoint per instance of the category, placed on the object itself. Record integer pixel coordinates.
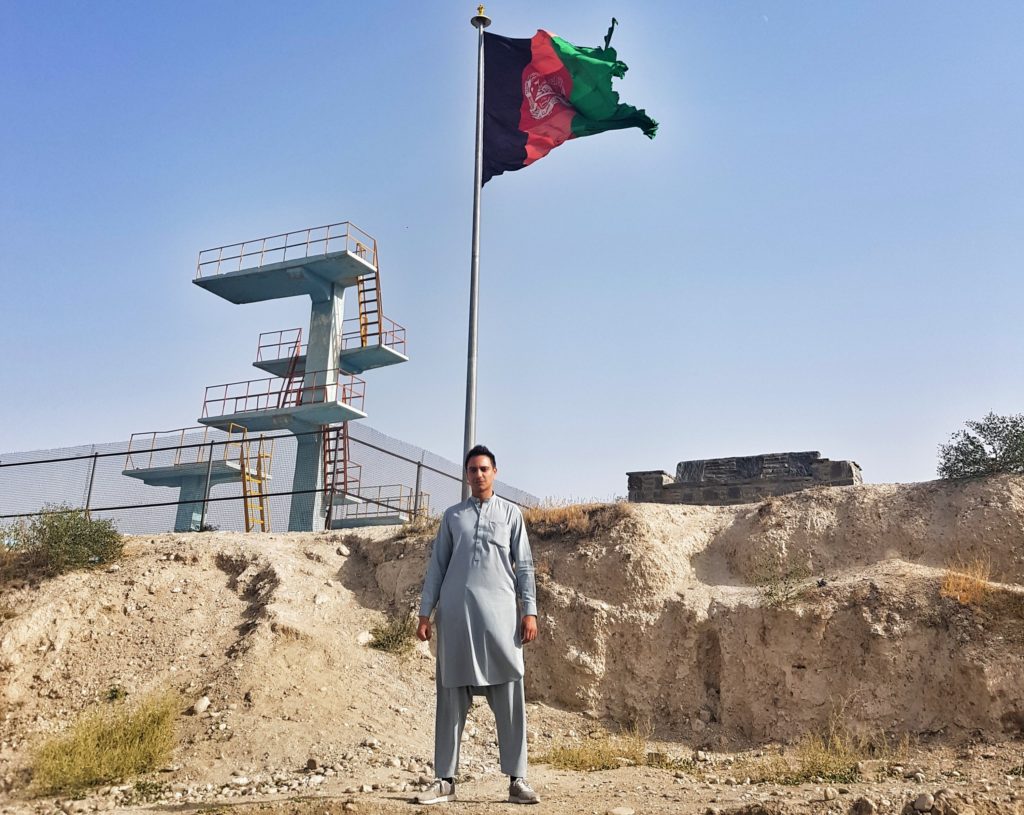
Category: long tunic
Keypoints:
(480, 566)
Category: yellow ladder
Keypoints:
(254, 467)
(368, 291)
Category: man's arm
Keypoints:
(526, 587)
(440, 556)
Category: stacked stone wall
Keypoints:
(740, 480)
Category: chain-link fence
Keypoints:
(192, 478)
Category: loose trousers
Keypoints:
(507, 701)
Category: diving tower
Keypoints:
(314, 389)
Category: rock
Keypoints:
(919, 777)
(705, 715)
(240, 781)
(621, 811)
(863, 806)
(830, 793)
(364, 637)
(316, 780)
(924, 802)
(343, 550)
(201, 705)
(366, 788)
(311, 764)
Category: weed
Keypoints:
(607, 751)
(967, 581)
(115, 693)
(832, 755)
(421, 526)
(780, 584)
(107, 745)
(553, 519)
(60, 540)
(396, 635)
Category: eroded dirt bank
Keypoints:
(725, 628)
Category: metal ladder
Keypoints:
(254, 468)
(341, 474)
(254, 496)
(368, 291)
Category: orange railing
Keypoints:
(386, 500)
(391, 335)
(277, 345)
(142, 447)
(303, 243)
(254, 395)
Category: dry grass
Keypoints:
(396, 635)
(107, 744)
(967, 581)
(553, 519)
(421, 526)
(829, 756)
(607, 751)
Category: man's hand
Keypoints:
(528, 630)
(423, 629)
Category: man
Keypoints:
(480, 570)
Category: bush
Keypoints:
(107, 744)
(61, 540)
(397, 635)
(993, 445)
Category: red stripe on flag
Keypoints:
(546, 115)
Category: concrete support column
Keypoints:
(190, 511)
(323, 348)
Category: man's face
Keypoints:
(480, 475)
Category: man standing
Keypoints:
(480, 580)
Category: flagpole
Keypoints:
(479, 22)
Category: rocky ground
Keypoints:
(733, 632)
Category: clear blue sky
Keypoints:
(822, 249)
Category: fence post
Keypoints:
(206, 489)
(92, 478)
(416, 490)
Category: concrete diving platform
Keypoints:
(307, 262)
(388, 505)
(361, 350)
(315, 399)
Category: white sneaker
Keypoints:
(520, 792)
(439, 792)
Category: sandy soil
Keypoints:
(733, 631)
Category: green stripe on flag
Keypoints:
(597, 105)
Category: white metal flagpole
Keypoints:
(480, 22)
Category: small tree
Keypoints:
(993, 445)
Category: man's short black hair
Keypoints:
(480, 450)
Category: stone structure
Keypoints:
(743, 480)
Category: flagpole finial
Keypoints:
(481, 20)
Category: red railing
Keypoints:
(303, 243)
(278, 345)
(318, 387)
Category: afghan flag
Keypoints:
(541, 91)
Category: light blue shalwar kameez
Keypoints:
(480, 580)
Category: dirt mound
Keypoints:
(720, 626)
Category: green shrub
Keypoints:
(60, 540)
(993, 445)
(107, 744)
